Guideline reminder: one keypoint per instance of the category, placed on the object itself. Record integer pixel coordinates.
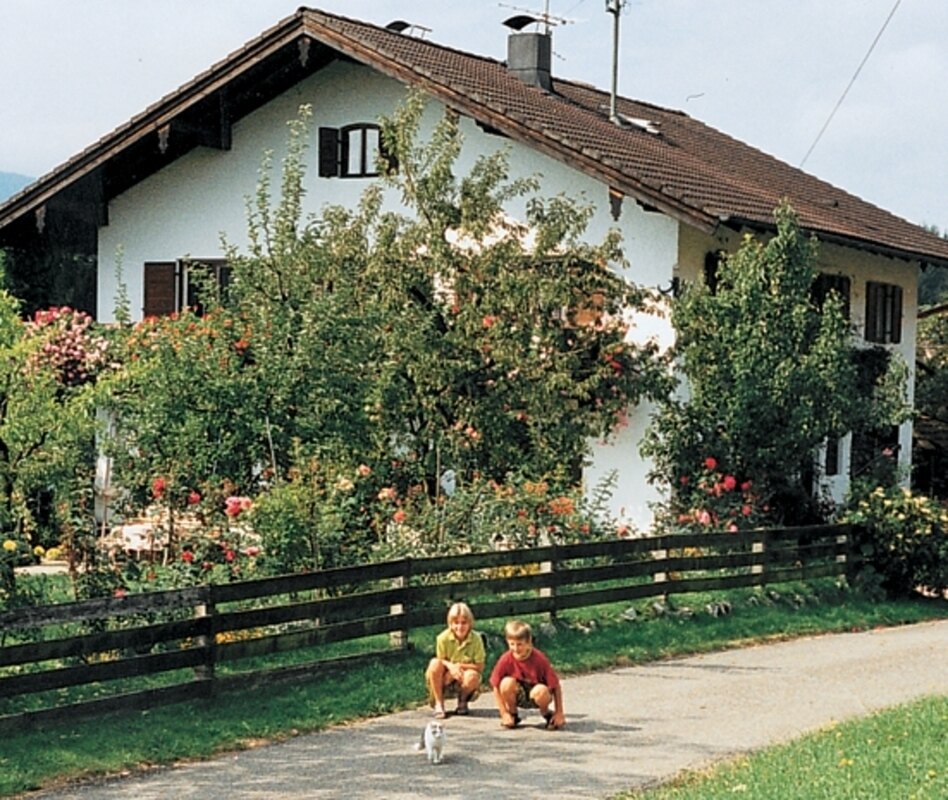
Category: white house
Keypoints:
(164, 186)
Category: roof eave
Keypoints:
(903, 254)
(148, 122)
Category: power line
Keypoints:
(851, 82)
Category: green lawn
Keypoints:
(588, 640)
(898, 753)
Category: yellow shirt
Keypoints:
(470, 651)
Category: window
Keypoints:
(170, 286)
(833, 444)
(883, 313)
(712, 267)
(352, 152)
(873, 453)
(825, 284)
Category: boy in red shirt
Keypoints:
(523, 677)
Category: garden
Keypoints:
(367, 386)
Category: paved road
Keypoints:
(627, 727)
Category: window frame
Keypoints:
(884, 311)
(367, 167)
(336, 147)
(168, 288)
(826, 282)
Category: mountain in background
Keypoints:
(11, 183)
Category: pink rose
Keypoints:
(233, 505)
(711, 463)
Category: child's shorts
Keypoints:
(523, 695)
(452, 691)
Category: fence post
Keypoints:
(660, 577)
(207, 641)
(759, 546)
(847, 558)
(399, 639)
(549, 568)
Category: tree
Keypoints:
(504, 342)
(931, 403)
(438, 327)
(767, 378)
(449, 339)
(933, 281)
(47, 367)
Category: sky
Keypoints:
(767, 72)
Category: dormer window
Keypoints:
(351, 151)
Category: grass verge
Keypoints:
(593, 639)
(900, 752)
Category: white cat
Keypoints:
(432, 741)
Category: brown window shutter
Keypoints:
(328, 152)
(159, 295)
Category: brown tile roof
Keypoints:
(688, 170)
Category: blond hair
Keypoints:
(461, 610)
(519, 630)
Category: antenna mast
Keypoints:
(614, 7)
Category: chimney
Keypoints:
(529, 56)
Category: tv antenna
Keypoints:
(614, 7)
(400, 26)
(528, 17)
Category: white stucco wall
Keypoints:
(183, 210)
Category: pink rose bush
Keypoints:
(71, 347)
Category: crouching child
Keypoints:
(523, 677)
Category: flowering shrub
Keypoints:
(903, 537)
(13, 552)
(485, 514)
(326, 515)
(712, 499)
(71, 347)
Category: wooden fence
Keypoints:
(141, 650)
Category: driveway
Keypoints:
(626, 727)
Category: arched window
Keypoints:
(351, 151)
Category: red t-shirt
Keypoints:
(535, 668)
